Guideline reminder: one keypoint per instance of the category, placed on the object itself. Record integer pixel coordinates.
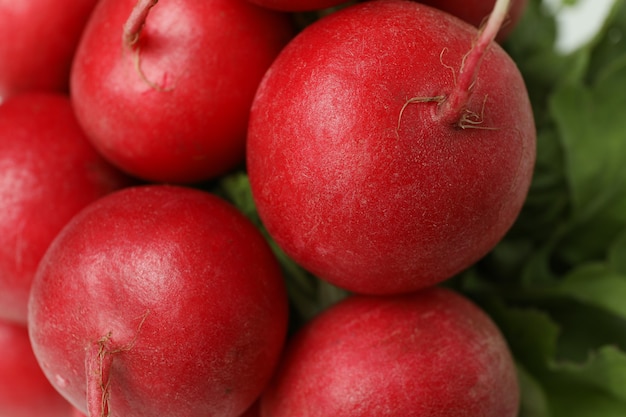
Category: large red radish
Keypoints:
(159, 301)
(390, 146)
(164, 89)
(432, 353)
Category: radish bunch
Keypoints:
(388, 145)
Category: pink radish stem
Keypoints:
(454, 106)
(98, 367)
(136, 20)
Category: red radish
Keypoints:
(39, 41)
(427, 354)
(77, 413)
(253, 411)
(164, 89)
(48, 172)
(159, 301)
(298, 5)
(477, 11)
(390, 146)
(25, 390)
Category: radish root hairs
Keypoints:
(452, 110)
(451, 68)
(435, 99)
(473, 120)
(98, 367)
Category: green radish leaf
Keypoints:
(534, 401)
(596, 387)
(616, 257)
(604, 371)
(531, 333)
(584, 328)
(595, 284)
(567, 399)
(609, 46)
(593, 132)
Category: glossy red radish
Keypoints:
(427, 354)
(391, 145)
(48, 172)
(25, 392)
(39, 41)
(76, 413)
(159, 301)
(164, 89)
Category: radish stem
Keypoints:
(136, 20)
(98, 367)
(453, 108)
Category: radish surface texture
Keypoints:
(377, 160)
(159, 301)
(24, 389)
(428, 354)
(48, 172)
(39, 41)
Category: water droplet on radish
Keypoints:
(61, 382)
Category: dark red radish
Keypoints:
(24, 389)
(159, 301)
(476, 12)
(39, 38)
(432, 353)
(48, 172)
(164, 89)
(253, 411)
(390, 146)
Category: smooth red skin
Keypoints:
(39, 41)
(181, 277)
(206, 58)
(25, 391)
(477, 11)
(77, 413)
(48, 172)
(368, 200)
(298, 5)
(428, 354)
